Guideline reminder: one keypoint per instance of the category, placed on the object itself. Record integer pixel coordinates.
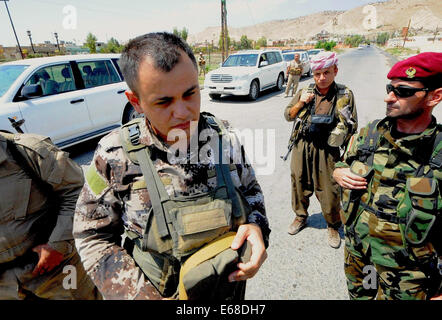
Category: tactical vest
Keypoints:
(180, 226)
(323, 127)
(422, 202)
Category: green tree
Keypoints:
(112, 46)
(382, 38)
(245, 43)
(91, 42)
(326, 45)
(354, 40)
(183, 34)
(262, 42)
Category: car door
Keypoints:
(264, 71)
(61, 112)
(104, 92)
(274, 68)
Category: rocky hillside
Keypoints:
(391, 15)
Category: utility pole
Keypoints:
(56, 38)
(406, 33)
(16, 38)
(435, 33)
(30, 39)
(224, 33)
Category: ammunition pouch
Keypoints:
(337, 136)
(351, 198)
(420, 206)
(295, 72)
(321, 125)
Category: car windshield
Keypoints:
(289, 57)
(246, 60)
(8, 74)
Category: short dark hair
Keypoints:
(433, 82)
(162, 47)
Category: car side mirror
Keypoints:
(32, 91)
(263, 63)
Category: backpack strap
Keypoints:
(436, 156)
(139, 154)
(367, 150)
(223, 169)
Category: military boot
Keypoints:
(334, 240)
(297, 225)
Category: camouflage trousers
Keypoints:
(311, 171)
(367, 280)
(18, 283)
(292, 84)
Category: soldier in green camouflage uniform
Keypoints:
(115, 198)
(391, 180)
(39, 186)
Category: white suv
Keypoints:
(68, 98)
(247, 73)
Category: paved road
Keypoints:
(301, 266)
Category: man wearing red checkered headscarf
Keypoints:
(325, 118)
(391, 180)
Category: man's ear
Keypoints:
(435, 98)
(133, 99)
(336, 70)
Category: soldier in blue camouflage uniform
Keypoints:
(391, 180)
(161, 72)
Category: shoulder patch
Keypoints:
(96, 182)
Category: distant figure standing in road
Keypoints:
(294, 70)
(325, 118)
(391, 178)
(202, 64)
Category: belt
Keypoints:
(384, 215)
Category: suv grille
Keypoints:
(221, 78)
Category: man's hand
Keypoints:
(439, 297)
(306, 97)
(49, 258)
(252, 233)
(348, 180)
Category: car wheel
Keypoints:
(280, 82)
(254, 90)
(131, 114)
(214, 96)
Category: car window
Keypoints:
(272, 57)
(278, 57)
(98, 73)
(8, 74)
(54, 79)
(289, 57)
(263, 58)
(241, 60)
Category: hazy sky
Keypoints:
(125, 19)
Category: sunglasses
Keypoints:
(404, 91)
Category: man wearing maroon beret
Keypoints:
(391, 183)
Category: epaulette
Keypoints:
(33, 142)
